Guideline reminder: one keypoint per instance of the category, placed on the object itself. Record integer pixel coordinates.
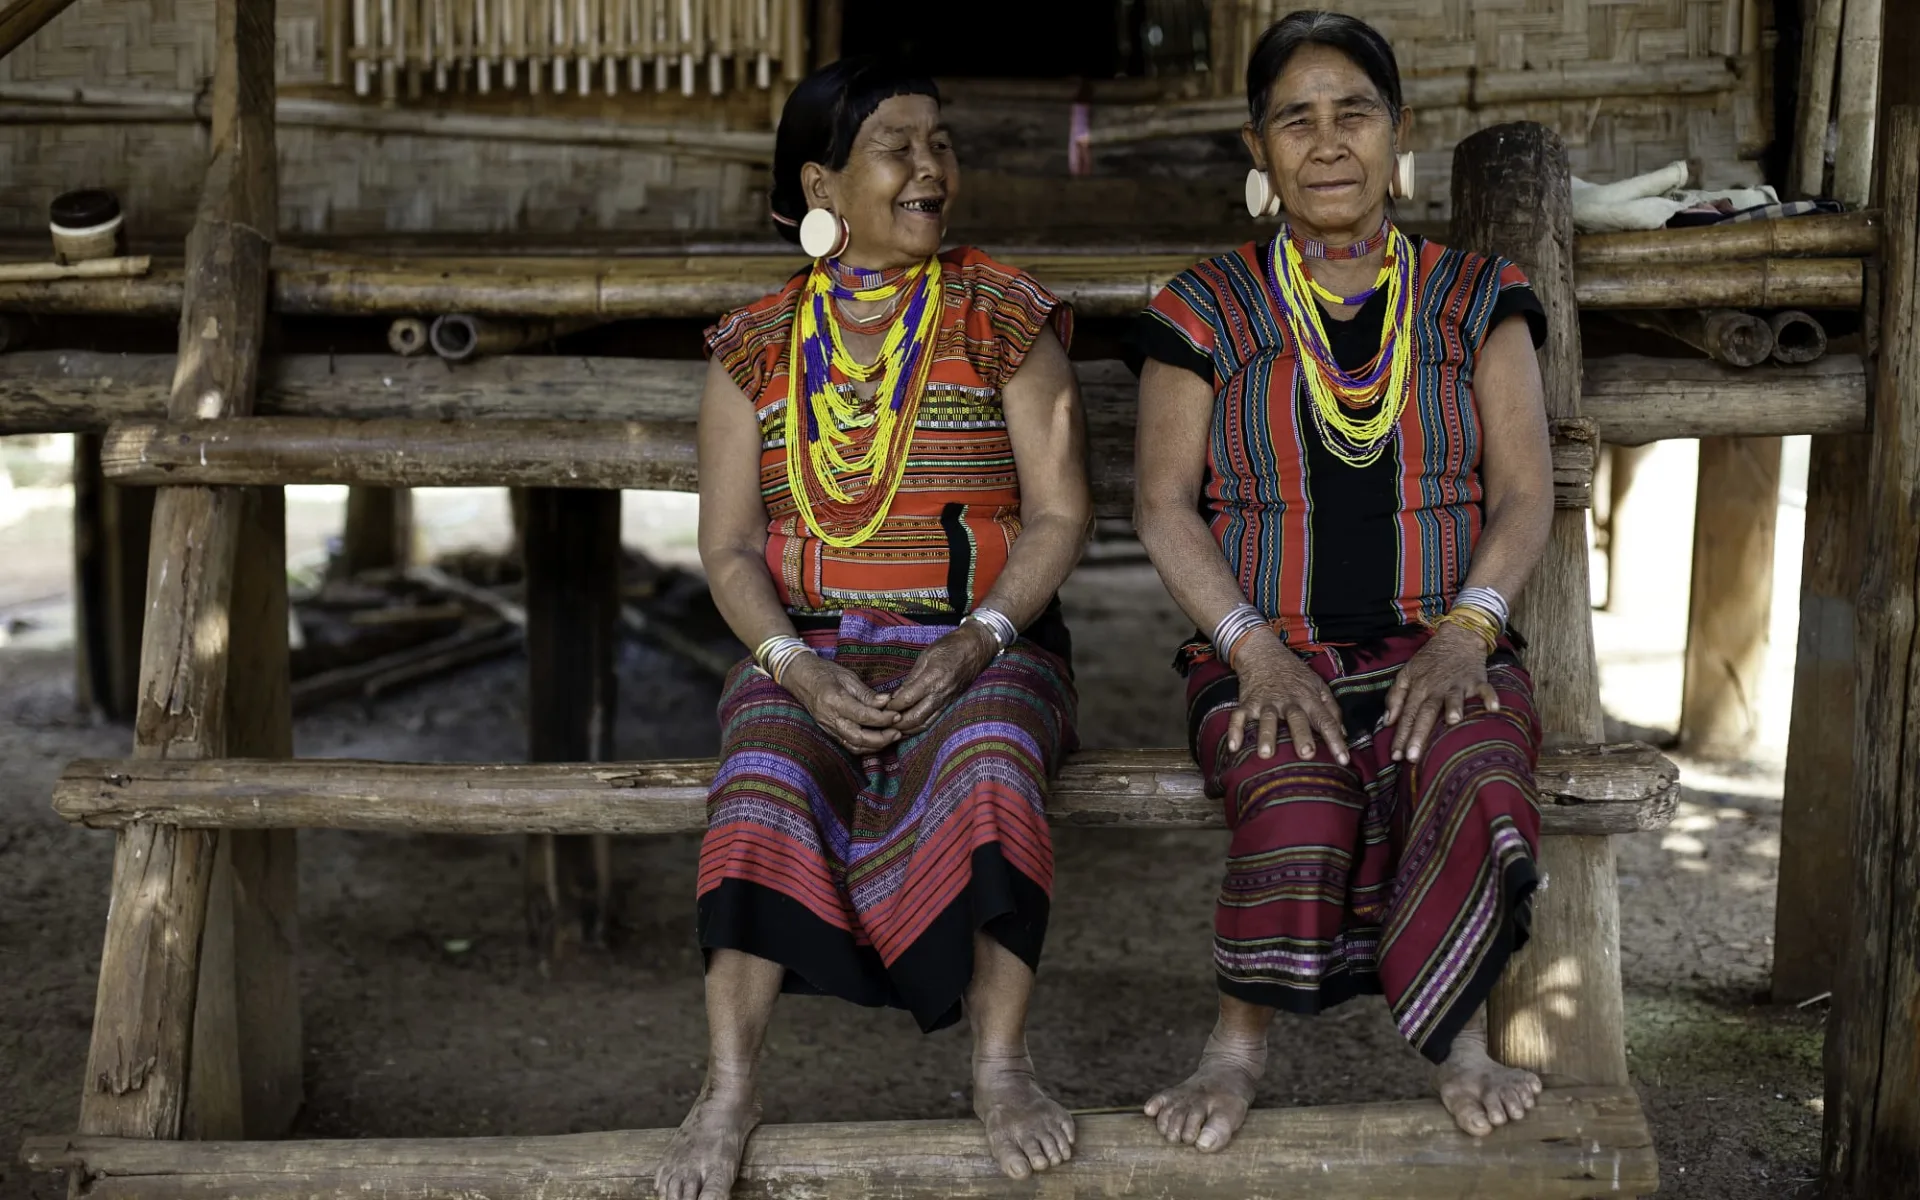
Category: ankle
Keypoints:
(1001, 1058)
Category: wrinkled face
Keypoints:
(897, 188)
(1327, 142)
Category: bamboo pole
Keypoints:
(1730, 605)
(1797, 337)
(125, 267)
(1857, 102)
(24, 18)
(459, 338)
(408, 336)
(1849, 235)
(1821, 48)
(1722, 334)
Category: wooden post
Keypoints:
(24, 18)
(379, 530)
(111, 524)
(1558, 1009)
(572, 555)
(1872, 1136)
(1815, 880)
(828, 18)
(149, 1024)
(1623, 463)
(1736, 506)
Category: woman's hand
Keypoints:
(854, 714)
(1276, 686)
(944, 670)
(1451, 667)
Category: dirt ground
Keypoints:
(427, 1013)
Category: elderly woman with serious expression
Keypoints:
(1343, 477)
(892, 488)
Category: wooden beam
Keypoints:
(1577, 1143)
(379, 530)
(1730, 602)
(561, 454)
(1558, 1009)
(24, 18)
(571, 548)
(137, 1081)
(1589, 790)
(308, 283)
(1872, 1142)
(1637, 400)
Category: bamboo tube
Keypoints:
(1797, 337)
(1857, 102)
(513, 36)
(793, 63)
(389, 46)
(1845, 236)
(1722, 334)
(93, 268)
(407, 336)
(335, 22)
(1760, 283)
(458, 337)
(362, 33)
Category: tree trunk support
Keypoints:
(379, 530)
(1731, 605)
(193, 1029)
(1558, 1009)
(111, 526)
(572, 556)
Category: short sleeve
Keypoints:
(1177, 328)
(1006, 310)
(750, 343)
(1516, 298)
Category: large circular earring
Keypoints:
(823, 234)
(1261, 199)
(1402, 188)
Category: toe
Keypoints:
(1468, 1114)
(1190, 1124)
(1168, 1122)
(1067, 1132)
(1517, 1100)
(1050, 1142)
(1215, 1134)
(1012, 1162)
(716, 1189)
(1035, 1152)
(1491, 1105)
(1155, 1106)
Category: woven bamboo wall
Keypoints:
(331, 182)
(1437, 41)
(338, 182)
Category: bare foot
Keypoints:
(1479, 1092)
(1208, 1109)
(704, 1155)
(1027, 1130)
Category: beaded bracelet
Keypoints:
(777, 653)
(1234, 628)
(997, 623)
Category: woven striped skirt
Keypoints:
(867, 877)
(1408, 879)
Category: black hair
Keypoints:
(1351, 36)
(821, 119)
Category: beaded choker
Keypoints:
(1337, 393)
(1309, 248)
(860, 285)
(825, 427)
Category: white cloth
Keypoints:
(1649, 201)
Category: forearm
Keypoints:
(1511, 544)
(744, 593)
(1190, 564)
(1045, 553)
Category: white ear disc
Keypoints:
(822, 233)
(1403, 176)
(1261, 202)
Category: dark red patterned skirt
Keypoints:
(868, 877)
(1408, 879)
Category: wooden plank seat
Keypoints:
(1579, 1142)
(1590, 790)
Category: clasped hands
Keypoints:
(1277, 687)
(866, 721)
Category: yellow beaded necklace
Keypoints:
(824, 426)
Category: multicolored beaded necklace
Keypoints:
(1360, 249)
(1386, 380)
(831, 433)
